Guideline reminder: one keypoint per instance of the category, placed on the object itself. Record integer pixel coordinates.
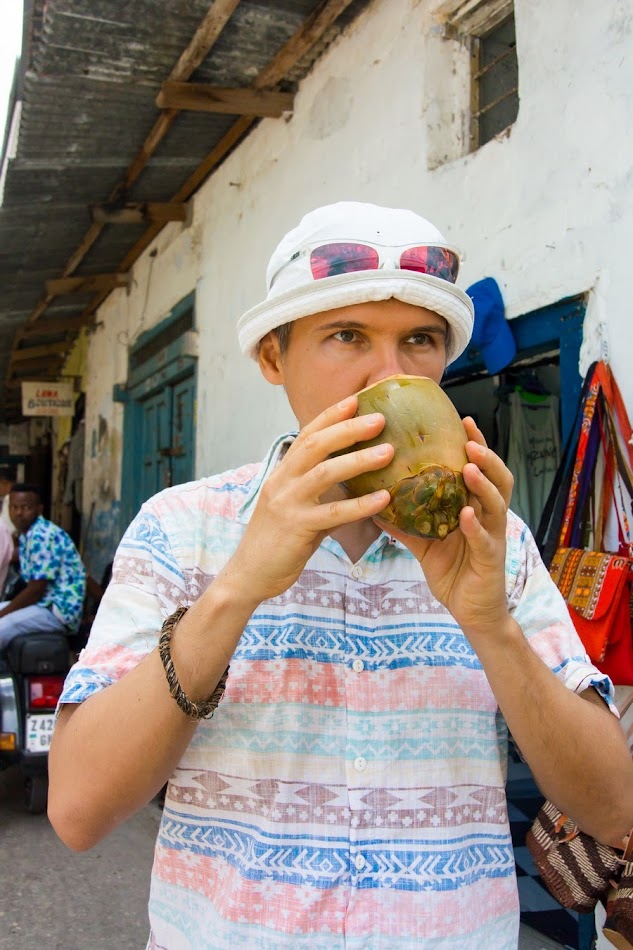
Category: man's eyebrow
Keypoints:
(429, 328)
(357, 325)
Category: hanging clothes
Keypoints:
(73, 493)
(533, 451)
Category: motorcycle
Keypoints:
(33, 667)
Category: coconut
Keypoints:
(424, 478)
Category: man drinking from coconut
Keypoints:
(349, 789)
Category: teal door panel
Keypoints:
(159, 443)
(159, 401)
(182, 437)
(156, 416)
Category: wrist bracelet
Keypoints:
(202, 710)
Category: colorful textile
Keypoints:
(349, 790)
(48, 553)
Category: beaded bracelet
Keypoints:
(202, 710)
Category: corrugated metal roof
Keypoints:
(88, 81)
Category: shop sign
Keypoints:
(48, 399)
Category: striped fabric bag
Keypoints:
(576, 869)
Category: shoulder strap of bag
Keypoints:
(615, 401)
(546, 535)
(611, 488)
(586, 428)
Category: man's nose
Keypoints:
(388, 361)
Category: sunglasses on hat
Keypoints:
(348, 257)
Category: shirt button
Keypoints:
(356, 572)
(360, 763)
(359, 862)
(358, 666)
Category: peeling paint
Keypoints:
(102, 535)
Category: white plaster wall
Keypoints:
(547, 209)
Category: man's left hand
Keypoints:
(466, 571)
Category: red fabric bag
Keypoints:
(597, 588)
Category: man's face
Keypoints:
(24, 508)
(334, 354)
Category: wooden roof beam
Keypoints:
(201, 97)
(37, 352)
(309, 33)
(203, 40)
(90, 283)
(141, 212)
(41, 369)
(55, 325)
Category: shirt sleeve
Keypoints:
(540, 610)
(146, 587)
(39, 555)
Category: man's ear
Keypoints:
(269, 359)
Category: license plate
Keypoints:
(39, 732)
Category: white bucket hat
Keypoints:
(294, 293)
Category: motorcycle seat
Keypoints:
(37, 653)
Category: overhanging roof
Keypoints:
(100, 166)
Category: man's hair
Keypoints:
(26, 488)
(283, 335)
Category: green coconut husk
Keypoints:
(424, 478)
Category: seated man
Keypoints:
(52, 599)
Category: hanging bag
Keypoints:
(596, 584)
(576, 869)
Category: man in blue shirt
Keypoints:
(55, 578)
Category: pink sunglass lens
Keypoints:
(436, 261)
(345, 258)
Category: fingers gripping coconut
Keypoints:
(424, 479)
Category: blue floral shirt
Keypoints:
(48, 553)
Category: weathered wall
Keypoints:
(546, 209)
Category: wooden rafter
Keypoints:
(200, 97)
(39, 352)
(204, 39)
(309, 33)
(41, 369)
(140, 212)
(56, 325)
(89, 283)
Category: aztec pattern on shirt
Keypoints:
(349, 790)
(48, 553)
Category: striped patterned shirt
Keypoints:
(349, 790)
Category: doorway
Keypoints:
(160, 407)
(548, 349)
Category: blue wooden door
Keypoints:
(156, 418)
(167, 448)
(182, 446)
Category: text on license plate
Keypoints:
(39, 732)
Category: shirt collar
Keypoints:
(39, 520)
(276, 452)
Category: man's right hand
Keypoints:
(301, 501)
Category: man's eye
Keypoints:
(345, 336)
(420, 339)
